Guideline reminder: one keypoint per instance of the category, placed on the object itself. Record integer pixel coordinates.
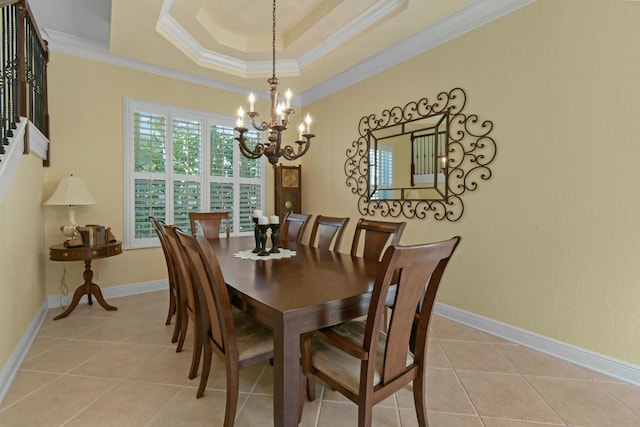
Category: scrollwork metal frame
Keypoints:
(470, 150)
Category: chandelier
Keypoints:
(280, 113)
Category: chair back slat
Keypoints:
(209, 282)
(413, 273)
(378, 235)
(327, 230)
(181, 272)
(292, 227)
(209, 223)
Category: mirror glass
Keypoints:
(408, 161)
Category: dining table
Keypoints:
(311, 288)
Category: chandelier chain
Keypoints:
(273, 42)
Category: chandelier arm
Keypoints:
(280, 115)
(245, 150)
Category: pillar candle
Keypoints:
(257, 214)
(274, 219)
(263, 220)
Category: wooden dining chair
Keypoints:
(237, 339)
(327, 232)
(367, 365)
(188, 300)
(209, 223)
(377, 236)
(174, 291)
(292, 227)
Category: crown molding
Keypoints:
(476, 14)
(179, 37)
(91, 49)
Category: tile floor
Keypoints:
(119, 368)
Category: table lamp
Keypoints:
(71, 192)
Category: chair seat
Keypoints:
(338, 364)
(253, 338)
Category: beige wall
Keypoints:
(22, 254)
(86, 104)
(550, 242)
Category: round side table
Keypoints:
(86, 254)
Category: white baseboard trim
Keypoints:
(55, 301)
(606, 365)
(10, 369)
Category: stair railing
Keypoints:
(23, 73)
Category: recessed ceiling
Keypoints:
(321, 45)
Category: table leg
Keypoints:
(87, 288)
(286, 375)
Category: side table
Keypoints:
(86, 254)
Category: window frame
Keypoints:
(207, 120)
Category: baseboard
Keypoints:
(55, 301)
(10, 369)
(606, 365)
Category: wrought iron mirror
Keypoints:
(420, 159)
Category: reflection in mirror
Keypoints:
(408, 161)
(419, 159)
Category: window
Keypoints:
(179, 161)
(381, 171)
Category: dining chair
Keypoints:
(292, 227)
(210, 223)
(367, 365)
(174, 291)
(377, 236)
(327, 230)
(188, 300)
(236, 339)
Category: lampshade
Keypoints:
(71, 191)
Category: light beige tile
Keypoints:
(167, 367)
(493, 422)
(531, 362)
(435, 356)
(444, 393)
(121, 369)
(125, 405)
(64, 358)
(446, 329)
(437, 419)
(24, 383)
(185, 410)
(333, 414)
(70, 327)
(256, 411)
(248, 378)
(118, 361)
(581, 403)
(505, 396)
(628, 394)
(43, 344)
(476, 356)
(56, 402)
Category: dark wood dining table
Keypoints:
(310, 290)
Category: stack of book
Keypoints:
(93, 234)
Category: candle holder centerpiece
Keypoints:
(274, 224)
(256, 232)
(263, 226)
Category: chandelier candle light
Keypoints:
(280, 112)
